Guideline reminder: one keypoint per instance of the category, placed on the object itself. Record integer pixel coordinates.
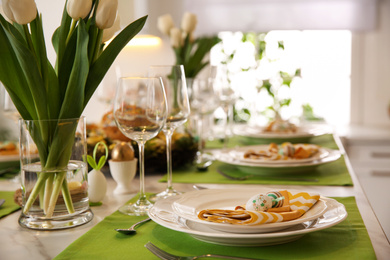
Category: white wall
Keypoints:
(370, 80)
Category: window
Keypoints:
(324, 60)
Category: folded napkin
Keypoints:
(9, 206)
(289, 206)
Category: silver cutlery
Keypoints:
(2, 202)
(203, 161)
(167, 256)
(246, 177)
(198, 187)
(131, 230)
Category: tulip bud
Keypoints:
(78, 8)
(176, 39)
(20, 11)
(188, 23)
(106, 13)
(165, 23)
(109, 33)
(4, 15)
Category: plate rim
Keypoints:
(223, 156)
(320, 130)
(323, 150)
(9, 158)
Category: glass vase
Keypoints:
(54, 174)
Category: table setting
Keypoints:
(260, 196)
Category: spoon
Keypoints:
(2, 201)
(203, 161)
(198, 187)
(131, 230)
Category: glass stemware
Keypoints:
(227, 98)
(140, 112)
(204, 100)
(178, 111)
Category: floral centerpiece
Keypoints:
(189, 51)
(41, 91)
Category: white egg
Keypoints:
(97, 186)
(259, 202)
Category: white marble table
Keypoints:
(20, 243)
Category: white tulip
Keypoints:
(78, 8)
(176, 37)
(4, 15)
(20, 11)
(106, 13)
(165, 23)
(109, 33)
(188, 22)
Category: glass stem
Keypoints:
(200, 134)
(229, 118)
(168, 136)
(142, 196)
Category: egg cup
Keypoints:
(123, 173)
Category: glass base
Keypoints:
(164, 194)
(69, 221)
(136, 209)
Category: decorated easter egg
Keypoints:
(277, 199)
(123, 151)
(259, 202)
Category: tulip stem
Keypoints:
(98, 45)
(73, 25)
(28, 38)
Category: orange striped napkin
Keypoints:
(295, 204)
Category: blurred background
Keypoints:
(340, 49)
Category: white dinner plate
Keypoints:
(162, 213)
(238, 154)
(302, 131)
(191, 203)
(286, 168)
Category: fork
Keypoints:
(167, 256)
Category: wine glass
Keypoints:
(204, 100)
(178, 111)
(227, 98)
(140, 112)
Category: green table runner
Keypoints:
(9, 206)
(347, 240)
